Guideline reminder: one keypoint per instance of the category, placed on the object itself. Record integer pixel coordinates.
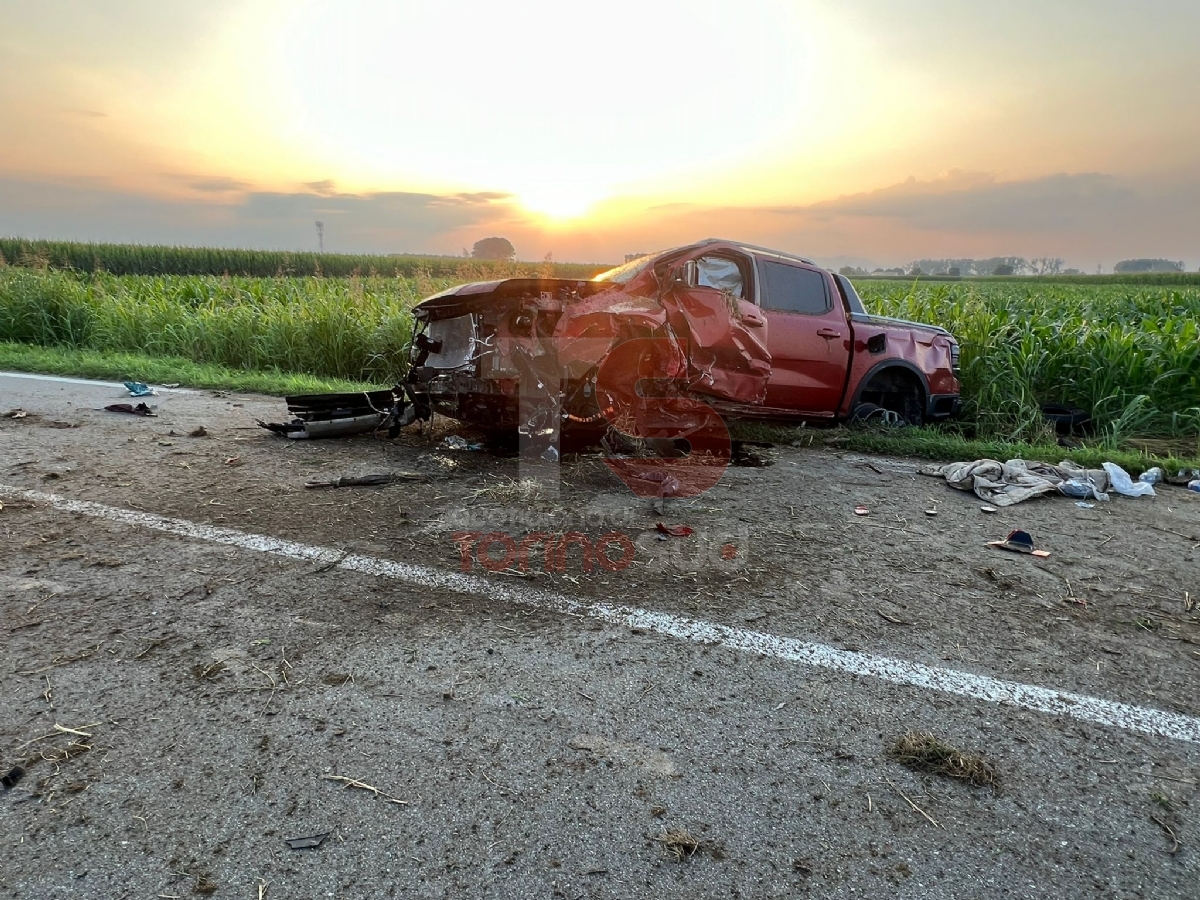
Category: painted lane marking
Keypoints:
(896, 671)
(87, 381)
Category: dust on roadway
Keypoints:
(227, 695)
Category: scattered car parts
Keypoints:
(335, 415)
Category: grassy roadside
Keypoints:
(928, 443)
(165, 370)
(923, 443)
(935, 444)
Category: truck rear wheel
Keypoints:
(896, 390)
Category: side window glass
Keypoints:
(793, 289)
(722, 274)
(851, 294)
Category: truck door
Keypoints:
(808, 336)
(726, 348)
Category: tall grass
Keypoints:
(1129, 355)
(356, 328)
(138, 259)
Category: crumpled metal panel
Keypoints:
(726, 357)
(589, 329)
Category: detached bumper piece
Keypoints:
(335, 415)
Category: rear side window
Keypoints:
(793, 289)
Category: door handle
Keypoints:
(828, 333)
(752, 321)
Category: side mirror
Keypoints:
(685, 275)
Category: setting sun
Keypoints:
(559, 201)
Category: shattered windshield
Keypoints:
(629, 271)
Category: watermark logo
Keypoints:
(612, 551)
(640, 387)
(500, 552)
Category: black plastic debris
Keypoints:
(307, 843)
(140, 410)
(1019, 541)
(1067, 420)
(335, 415)
(360, 480)
(10, 779)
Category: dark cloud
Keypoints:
(385, 222)
(216, 184)
(389, 210)
(1087, 217)
(968, 202)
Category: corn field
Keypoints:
(136, 259)
(1128, 354)
(353, 328)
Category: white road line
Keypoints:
(88, 381)
(897, 671)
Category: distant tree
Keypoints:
(493, 248)
(1071, 272)
(916, 272)
(1127, 266)
(852, 271)
(1046, 265)
(1004, 269)
(954, 272)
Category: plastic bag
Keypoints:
(1123, 484)
(1085, 490)
(1152, 476)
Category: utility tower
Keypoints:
(320, 237)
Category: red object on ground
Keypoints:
(674, 530)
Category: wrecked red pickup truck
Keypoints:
(658, 344)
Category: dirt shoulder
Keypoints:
(537, 752)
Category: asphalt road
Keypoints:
(228, 684)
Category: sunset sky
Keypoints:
(859, 131)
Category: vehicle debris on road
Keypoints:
(674, 530)
(1019, 541)
(376, 478)
(140, 410)
(138, 389)
(307, 843)
(335, 415)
